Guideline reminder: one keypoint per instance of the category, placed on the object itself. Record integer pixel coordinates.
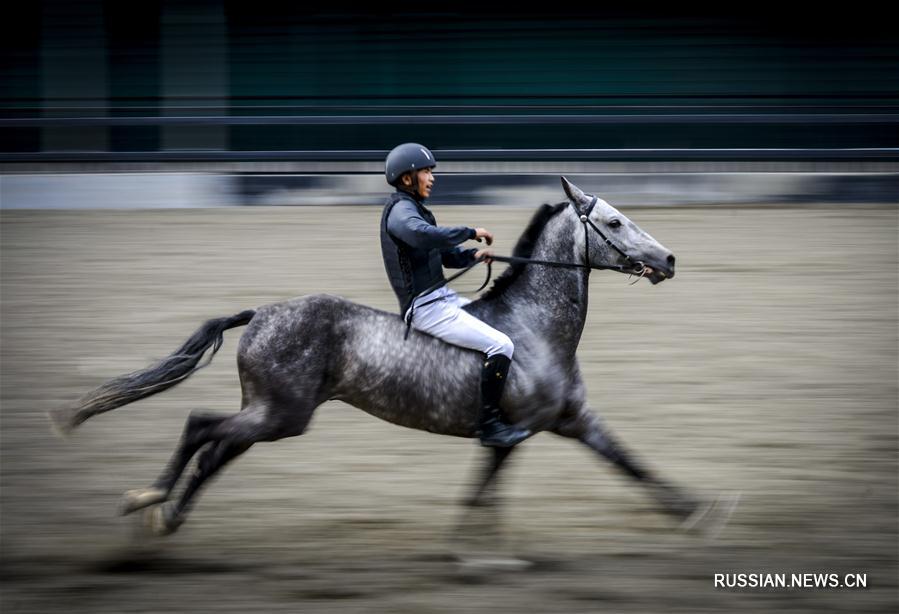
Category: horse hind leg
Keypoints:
(195, 436)
(165, 519)
(227, 439)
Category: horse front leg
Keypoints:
(488, 476)
(586, 427)
(477, 538)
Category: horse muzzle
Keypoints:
(657, 272)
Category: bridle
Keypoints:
(637, 267)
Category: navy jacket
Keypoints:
(415, 248)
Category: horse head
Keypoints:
(615, 241)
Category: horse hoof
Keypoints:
(492, 563)
(694, 522)
(711, 516)
(140, 498)
(161, 520)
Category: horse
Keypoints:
(297, 354)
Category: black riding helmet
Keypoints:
(407, 157)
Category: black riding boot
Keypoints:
(495, 432)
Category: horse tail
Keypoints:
(154, 379)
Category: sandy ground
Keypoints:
(768, 365)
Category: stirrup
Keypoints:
(495, 433)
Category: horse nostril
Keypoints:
(670, 260)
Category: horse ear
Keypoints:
(575, 194)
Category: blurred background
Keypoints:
(146, 150)
(258, 103)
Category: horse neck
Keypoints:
(555, 298)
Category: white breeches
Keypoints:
(445, 319)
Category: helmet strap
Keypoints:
(415, 189)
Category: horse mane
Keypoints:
(524, 249)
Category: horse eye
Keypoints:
(614, 223)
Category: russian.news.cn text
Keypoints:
(791, 580)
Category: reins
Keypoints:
(637, 266)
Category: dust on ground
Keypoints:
(768, 365)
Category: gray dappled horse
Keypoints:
(297, 354)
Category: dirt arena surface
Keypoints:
(768, 366)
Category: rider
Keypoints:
(414, 248)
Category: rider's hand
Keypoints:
(486, 254)
(483, 233)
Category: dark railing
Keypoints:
(474, 132)
(796, 119)
(508, 155)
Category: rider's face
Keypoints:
(425, 182)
